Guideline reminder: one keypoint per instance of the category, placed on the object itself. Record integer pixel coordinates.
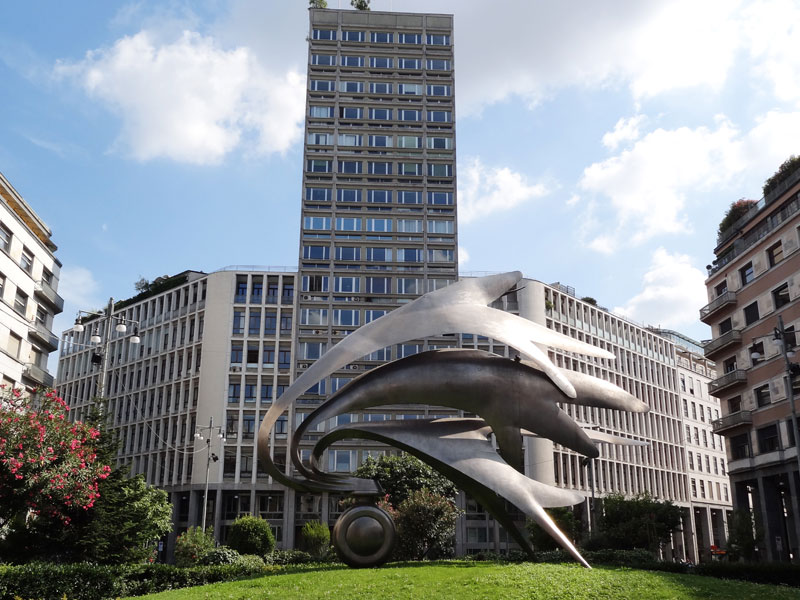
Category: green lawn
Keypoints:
(473, 580)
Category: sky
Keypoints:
(599, 143)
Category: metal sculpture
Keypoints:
(513, 398)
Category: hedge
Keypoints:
(82, 581)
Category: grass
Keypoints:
(464, 580)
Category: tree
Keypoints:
(789, 166)
(744, 535)
(360, 4)
(317, 4)
(565, 520)
(426, 524)
(251, 535)
(141, 285)
(401, 475)
(48, 465)
(639, 522)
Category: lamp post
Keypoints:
(121, 327)
(209, 432)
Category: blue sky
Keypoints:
(599, 144)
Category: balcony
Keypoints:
(726, 340)
(732, 421)
(37, 374)
(44, 335)
(728, 380)
(717, 303)
(43, 290)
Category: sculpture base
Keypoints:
(364, 536)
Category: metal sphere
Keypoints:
(364, 536)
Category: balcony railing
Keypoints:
(37, 374)
(44, 335)
(734, 336)
(717, 303)
(731, 421)
(729, 379)
(47, 293)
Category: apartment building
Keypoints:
(29, 273)
(753, 287)
(213, 352)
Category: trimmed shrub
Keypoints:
(251, 562)
(426, 526)
(220, 556)
(251, 535)
(192, 545)
(772, 573)
(789, 166)
(288, 557)
(316, 537)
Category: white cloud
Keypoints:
(78, 287)
(486, 190)
(647, 185)
(463, 255)
(672, 292)
(770, 29)
(190, 100)
(626, 130)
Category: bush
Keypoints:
(192, 545)
(316, 537)
(735, 212)
(220, 556)
(251, 562)
(426, 524)
(288, 557)
(771, 573)
(564, 518)
(789, 166)
(251, 535)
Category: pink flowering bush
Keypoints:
(47, 463)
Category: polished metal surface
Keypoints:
(364, 536)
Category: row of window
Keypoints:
(402, 225)
(382, 114)
(705, 435)
(349, 253)
(313, 350)
(404, 89)
(719, 463)
(381, 37)
(270, 320)
(780, 298)
(720, 496)
(324, 194)
(356, 167)
(381, 62)
(379, 285)
(381, 141)
(320, 283)
(694, 410)
(249, 354)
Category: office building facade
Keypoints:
(29, 273)
(751, 284)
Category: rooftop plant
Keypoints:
(789, 166)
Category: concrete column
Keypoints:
(793, 506)
(539, 461)
(216, 493)
(195, 499)
(691, 543)
(288, 519)
(769, 532)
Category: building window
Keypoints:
(409, 254)
(725, 326)
(318, 194)
(768, 439)
(314, 316)
(409, 169)
(381, 62)
(380, 88)
(439, 170)
(409, 141)
(378, 225)
(377, 285)
(409, 225)
(409, 89)
(237, 352)
(314, 283)
(409, 286)
(409, 38)
(342, 461)
(440, 90)
(13, 345)
(254, 324)
(319, 166)
(316, 252)
(380, 168)
(735, 404)
(352, 61)
(345, 195)
(380, 141)
(440, 116)
(437, 64)
(346, 318)
(691, 460)
(322, 85)
(434, 39)
(408, 197)
(721, 288)
(353, 167)
(445, 198)
(746, 273)
(317, 223)
(382, 37)
(409, 115)
(751, 313)
(379, 196)
(740, 446)
(780, 296)
(312, 350)
(21, 302)
(409, 63)
(351, 112)
(323, 34)
(348, 224)
(775, 254)
(380, 114)
(323, 60)
(440, 255)
(440, 143)
(270, 322)
(320, 139)
(353, 36)
(238, 322)
(26, 260)
(349, 139)
(5, 237)
(348, 253)
(379, 254)
(346, 285)
(756, 352)
(761, 394)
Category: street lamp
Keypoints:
(209, 432)
(107, 318)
